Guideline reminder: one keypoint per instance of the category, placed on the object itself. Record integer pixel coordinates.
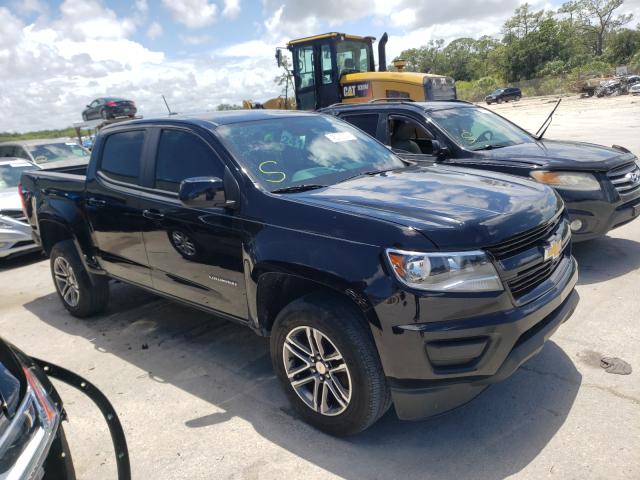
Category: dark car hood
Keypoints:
(453, 207)
(559, 154)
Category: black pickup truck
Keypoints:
(599, 185)
(377, 280)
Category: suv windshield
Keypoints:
(55, 152)
(478, 129)
(284, 152)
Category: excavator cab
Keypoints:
(320, 62)
(340, 68)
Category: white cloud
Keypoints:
(154, 30)
(231, 8)
(196, 39)
(192, 13)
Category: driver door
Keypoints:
(305, 77)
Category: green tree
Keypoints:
(622, 45)
(598, 19)
(228, 106)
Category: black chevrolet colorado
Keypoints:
(378, 281)
(600, 186)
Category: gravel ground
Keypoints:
(199, 400)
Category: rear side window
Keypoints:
(121, 155)
(183, 155)
(367, 123)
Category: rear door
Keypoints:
(194, 254)
(113, 205)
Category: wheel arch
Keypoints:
(276, 289)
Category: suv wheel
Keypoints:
(81, 293)
(518, 97)
(500, 100)
(324, 355)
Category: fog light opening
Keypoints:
(576, 225)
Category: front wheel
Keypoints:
(81, 293)
(324, 355)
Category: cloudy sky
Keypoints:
(57, 56)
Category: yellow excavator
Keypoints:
(340, 68)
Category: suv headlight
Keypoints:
(25, 443)
(445, 271)
(566, 180)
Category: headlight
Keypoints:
(445, 271)
(567, 180)
(26, 441)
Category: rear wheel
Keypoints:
(500, 100)
(518, 97)
(325, 357)
(81, 293)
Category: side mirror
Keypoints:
(438, 150)
(279, 57)
(88, 106)
(203, 192)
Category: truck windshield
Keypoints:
(280, 153)
(478, 129)
(54, 152)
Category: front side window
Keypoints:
(57, 151)
(478, 129)
(327, 64)
(292, 151)
(121, 155)
(183, 155)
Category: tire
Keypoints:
(104, 115)
(84, 117)
(517, 98)
(500, 100)
(357, 375)
(81, 293)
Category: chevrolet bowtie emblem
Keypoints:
(553, 249)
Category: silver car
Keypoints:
(46, 151)
(15, 232)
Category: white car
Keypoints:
(15, 232)
(46, 151)
(635, 89)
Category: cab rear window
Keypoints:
(121, 156)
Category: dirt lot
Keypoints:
(198, 398)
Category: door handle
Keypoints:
(153, 214)
(94, 202)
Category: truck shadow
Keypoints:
(606, 258)
(22, 260)
(494, 436)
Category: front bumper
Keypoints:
(434, 366)
(15, 237)
(599, 217)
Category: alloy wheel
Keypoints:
(317, 371)
(66, 281)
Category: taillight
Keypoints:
(22, 200)
(111, 104)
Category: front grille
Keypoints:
(530, 278)
(15, 214)
(625, 179)
(523, 241)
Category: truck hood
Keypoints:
(559, 155)
(455, 208)
(10, 199)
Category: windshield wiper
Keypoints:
(369, 173)
(490, 147)
(298, 188)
